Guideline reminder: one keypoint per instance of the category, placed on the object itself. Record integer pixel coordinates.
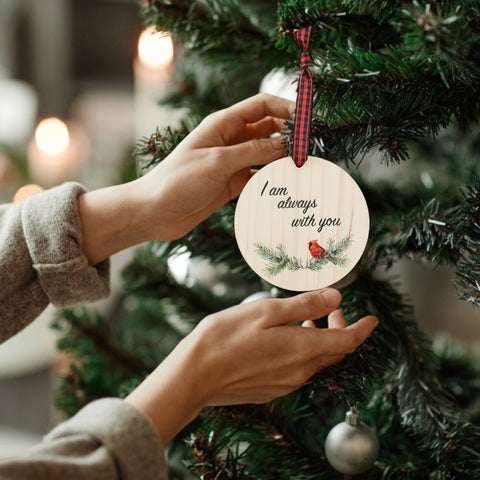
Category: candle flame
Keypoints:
(155, 49)
(51, 136)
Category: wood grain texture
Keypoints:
(283, 208)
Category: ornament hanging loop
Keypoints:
(303, 109)
(352, 417)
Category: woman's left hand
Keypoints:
(213, 164)
(209, 167)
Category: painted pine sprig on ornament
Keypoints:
(277, 259)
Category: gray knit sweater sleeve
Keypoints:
(41, 262)
(40, 258)
(107, 440)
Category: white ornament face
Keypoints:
(302, 228)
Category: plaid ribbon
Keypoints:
(303, 109)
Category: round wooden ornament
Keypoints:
(302, 228)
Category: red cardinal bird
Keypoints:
(316, 250)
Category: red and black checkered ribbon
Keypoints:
(303, 110)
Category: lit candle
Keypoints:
(51, 136)
(25, 191)
(155, 49)
(56, 151)
(153, 68)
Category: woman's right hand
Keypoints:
(252, 354)
(249, 353)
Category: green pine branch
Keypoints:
(412, 76)
(424, 407)
(435, 231)
(406, 402)
(278, 259)
(157, 146)
(218, 30)
(280, 447)
(100, 364)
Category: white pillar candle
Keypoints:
(153, 68)
(18, 109)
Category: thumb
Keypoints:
(301, 307)
(255, 152)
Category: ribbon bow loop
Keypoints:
(303, 109)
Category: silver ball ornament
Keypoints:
(203, 276)
(351, 447)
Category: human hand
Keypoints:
(263, 356)
(248, 354)
(212, 165)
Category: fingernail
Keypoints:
(332, 297)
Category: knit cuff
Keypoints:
(128, 435)
(52, 229)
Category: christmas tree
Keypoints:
(393, 82)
